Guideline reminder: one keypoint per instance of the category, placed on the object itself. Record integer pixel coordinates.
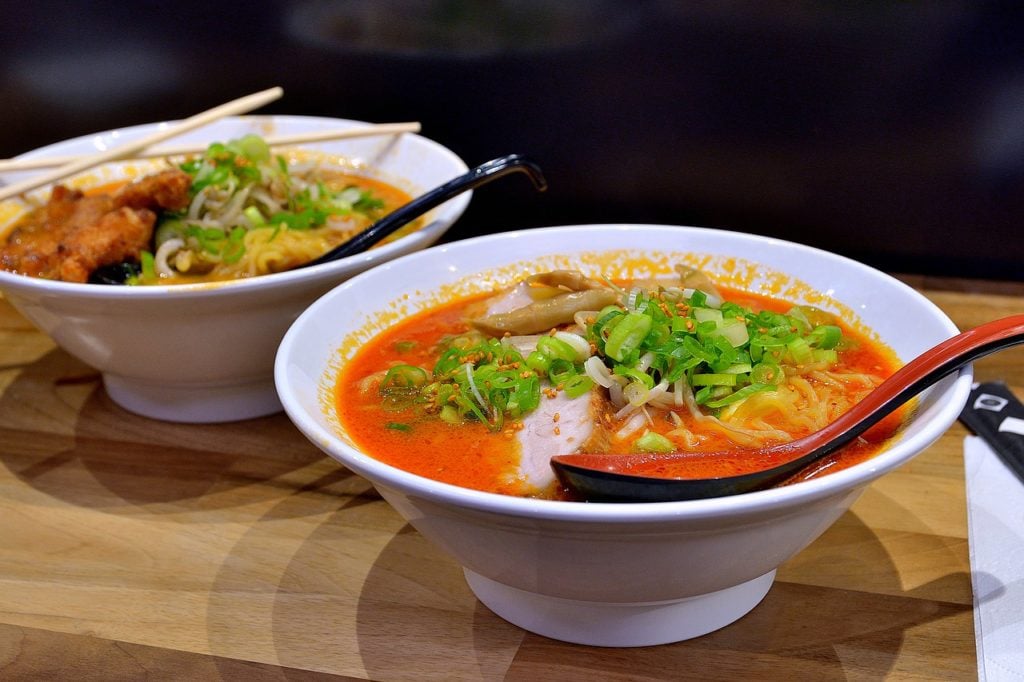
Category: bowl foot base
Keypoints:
(619, 625)
(194, 404)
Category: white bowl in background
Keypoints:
(613, 574)
(205, 352)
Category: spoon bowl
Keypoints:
(662, 477)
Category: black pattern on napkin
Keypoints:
(995, 414)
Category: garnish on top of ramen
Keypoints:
(238, 210)
(562, 362)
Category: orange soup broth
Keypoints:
(392, 196)
(471, 456)
(335, 180)
(468, 455)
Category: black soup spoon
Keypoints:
(118, 273)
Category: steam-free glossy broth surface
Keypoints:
(472, 455)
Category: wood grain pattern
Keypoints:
(134, 549)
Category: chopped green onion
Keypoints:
(653, 442)
(799, 350)
(708, 315)
(502, 381)
(235, 247)
(349, 195)
(829, 356)
(252, 147)
(741, 394)
(148, 266)
(798, 318)
(767, 373)
(403, 378)
(556, 349)
(713, 380)
(578, 385)
(634, 374)
(826, 336)
(254, 216)
(734, 331)
(815, 316)
(538, 362)
(739, 368)
(695, 348)
(561, 371)
(627, 335)
(576, 342)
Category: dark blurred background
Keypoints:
(892, 132)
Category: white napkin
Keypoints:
(995, 517)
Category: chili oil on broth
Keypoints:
(472, 456)
(468, 455)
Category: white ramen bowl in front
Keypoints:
(205, 352)
(614, 574)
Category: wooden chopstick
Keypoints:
(238, 106)
(185, 149)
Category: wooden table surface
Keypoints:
(131, 548)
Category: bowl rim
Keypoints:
(806, 492)
(423, 237)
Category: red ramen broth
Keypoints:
(476, 455)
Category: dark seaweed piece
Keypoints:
(116, 273)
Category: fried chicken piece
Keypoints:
(118, 236)
(167, 190)
(36, 244)
(72, 234)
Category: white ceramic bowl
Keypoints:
(613, 574)
(205, 353)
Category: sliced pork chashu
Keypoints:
(560, 425)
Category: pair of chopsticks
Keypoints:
(141, 148)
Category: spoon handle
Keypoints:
(924, 370)
(481, 175)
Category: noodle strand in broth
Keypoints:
(236, 211)
(463, 395)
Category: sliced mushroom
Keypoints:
(545, 314)
(572, 280)
(692, 278)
